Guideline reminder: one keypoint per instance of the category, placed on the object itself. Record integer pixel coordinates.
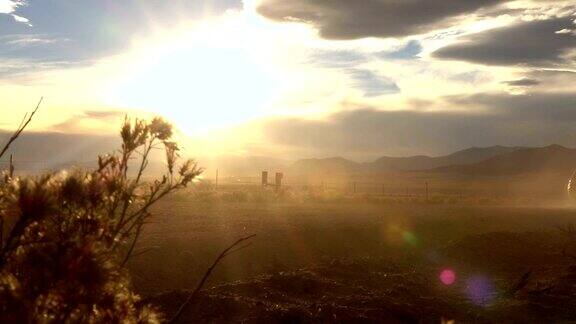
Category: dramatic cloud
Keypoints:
(554, 79)
(553, 109)
(522, 82)
(345, 19)
(536, 119)
(534, 43)
(391, 74)
(83, 31)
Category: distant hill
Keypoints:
(49, 151)
(553, 158)
(336, 165)
(43, 151)
(36, 151)
(422, 162)
(494, 160)
(233, 165)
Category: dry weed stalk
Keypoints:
(65, 237)
(196, 292)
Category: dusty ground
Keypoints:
(360, 262)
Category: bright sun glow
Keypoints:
(214, 74)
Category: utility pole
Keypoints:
(216, 182)
(278, 180)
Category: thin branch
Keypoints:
(144, 251)
(144, 208)
(520, 283)
(194, 294)
(143, 165)
(23, 120)
(11, 167)
(20, 129)
(133, 245)
(13, 237)
(238, 249)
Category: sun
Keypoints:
(213, 74)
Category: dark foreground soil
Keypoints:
(339, 262)
(502, 277)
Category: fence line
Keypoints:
(420, 189)
(41, 166)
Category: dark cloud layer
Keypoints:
(553, 79)
(351, 19)
(536, 119)
(535, 43)
(71, 32)
(546, 109)
(522, 82)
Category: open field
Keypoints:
(324, 252)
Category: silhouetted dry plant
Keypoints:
(65, 236)
(234, 247)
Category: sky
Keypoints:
(300, 78)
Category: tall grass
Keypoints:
(66, 236)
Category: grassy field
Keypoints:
(497, 243)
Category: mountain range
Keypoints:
(553, 158)
(42, 151)
(495, 160)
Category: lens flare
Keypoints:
(399, 234)
(480, 290)
(410, 238)
(448, 277)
